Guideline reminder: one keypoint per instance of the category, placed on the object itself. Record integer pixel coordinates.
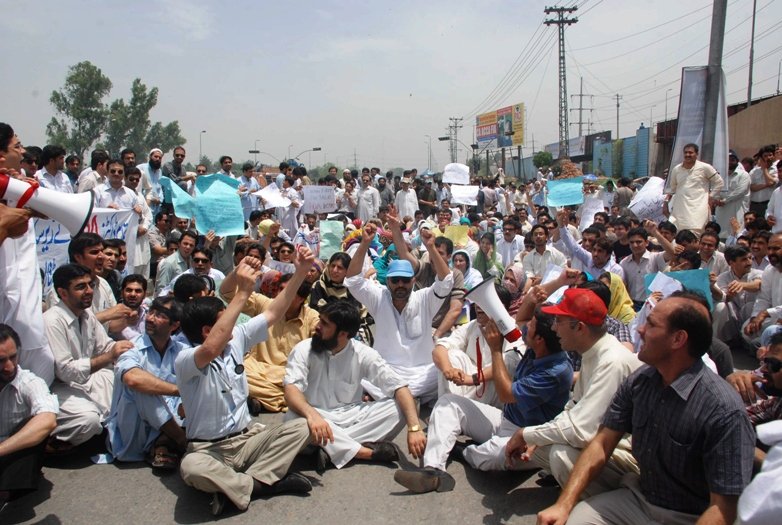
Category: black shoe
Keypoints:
(545, 479)
(457, 452)
(382, 451)
(292, 483)
(425, 480)
(322, 461)
(218, 503)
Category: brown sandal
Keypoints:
(163, 459)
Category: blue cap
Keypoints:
(400, 268)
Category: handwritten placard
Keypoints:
(272, 198)
(319, 199)
(216, 205)
(648, 202)
(52, 238)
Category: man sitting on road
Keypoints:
(537, 393)
(144, 422)
(323, 385)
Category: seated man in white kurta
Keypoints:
(456, 356)
(323, 384)
(403, 317)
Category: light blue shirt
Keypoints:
(215, 397)
(135, 418)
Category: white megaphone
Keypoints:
(71, 210)
(485, 296)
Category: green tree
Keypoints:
(130, 125)
(542, 158)
(81, 114)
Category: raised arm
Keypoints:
(279, 305)
(222, 331)
(670, 250)
(395, 225)
(435, 259)
(357, 261)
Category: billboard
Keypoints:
(504, 126)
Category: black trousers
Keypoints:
(21, 471)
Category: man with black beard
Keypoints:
(151, 173)
(323, 384)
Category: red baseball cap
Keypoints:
(580, 304)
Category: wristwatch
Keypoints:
(414, 428)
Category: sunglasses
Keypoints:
(202, 260)
(116, 172)
(397, 280)
(773, 365)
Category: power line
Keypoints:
(561, 21)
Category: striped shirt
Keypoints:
(24, 397)
(690, 438)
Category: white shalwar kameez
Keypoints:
(463, 354)
(332, 385)
(404, 339)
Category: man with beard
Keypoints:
(226, 164)
(175, 169)
(323, 385)
(111, 253)
(767, 309)
(29, 416)
(141, 252)
(133, 291)
(128, 157)
(736, 201)
(385, 191)
(404, 337)
(144, 422)
(150, 180)
(83, 358)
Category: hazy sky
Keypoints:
(371, 77)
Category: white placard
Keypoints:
(282, 267)
(319, 199)
(272, 198)
(456, 173)
(592, 204)
(648, 202)
(465, 195)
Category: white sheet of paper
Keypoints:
(272, 198)
(552, 272)
(465, 195)
(665, 284)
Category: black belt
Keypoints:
(217, 440)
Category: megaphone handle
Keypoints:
(480, 388)
(28, 193)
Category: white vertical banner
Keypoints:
(691, 118)
(52, 238)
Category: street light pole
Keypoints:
(200, 152)
(255, 148)
(429, 158)
(289, 151)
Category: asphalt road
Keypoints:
(75, 491)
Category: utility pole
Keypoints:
(581, 108)
(453, 134)
(714, 79)
(751, 54)
(618, 98)
(561, 22)
(355, 159)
